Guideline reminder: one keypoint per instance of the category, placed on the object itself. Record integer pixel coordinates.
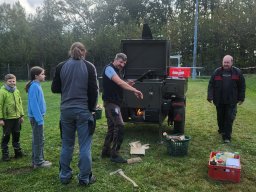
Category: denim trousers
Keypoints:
(73, 120)
(37, 142)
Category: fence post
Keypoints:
(8, 68)
(28, 70)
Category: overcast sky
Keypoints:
(29, 5)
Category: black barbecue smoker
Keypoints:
(164, 96)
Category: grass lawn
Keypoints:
(158, 171)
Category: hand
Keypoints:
(1, 123)
(138, 94)
(240, 102)
(21, 120)
(209, 100)
(92, 124)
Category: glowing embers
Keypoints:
(139, 112)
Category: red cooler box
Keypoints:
(224, 173)
(182, 72)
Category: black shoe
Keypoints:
(18, 153)
(105, 154)
(118, 159)
(92, 179)
(6, 157)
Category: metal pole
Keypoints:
(195, 43)
(8, 68)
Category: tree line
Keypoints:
(224, 27)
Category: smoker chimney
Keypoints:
(146, 32)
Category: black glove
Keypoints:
(92, 124)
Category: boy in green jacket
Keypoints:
(11, 116)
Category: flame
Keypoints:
(139, 112)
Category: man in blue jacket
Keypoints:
(226, 88)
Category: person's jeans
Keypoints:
(37, 142)
(72, 120)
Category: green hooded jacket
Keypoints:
(10, 104)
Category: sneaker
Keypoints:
(226, 141)
(45, 164)
(118, 159)
(92, 179)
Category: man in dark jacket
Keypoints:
(76, 80)
(112, 96)
(226, 88)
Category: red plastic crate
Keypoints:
(183, 72)
(223, 173)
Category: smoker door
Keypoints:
(144, 55)
(152, 95)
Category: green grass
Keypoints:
(158, 171)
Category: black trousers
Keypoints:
(226, 114)
(115, 133)
(11, 127)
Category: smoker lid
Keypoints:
(144, 55)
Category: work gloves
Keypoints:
(92, 124)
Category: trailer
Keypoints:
(164, 94)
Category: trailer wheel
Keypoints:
(180, 124)
(178, 127)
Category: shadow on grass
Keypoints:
(145, 132)
(18, 170)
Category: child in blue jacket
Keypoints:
(36, 112)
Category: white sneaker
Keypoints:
(45, 164)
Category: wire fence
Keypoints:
(23, 72)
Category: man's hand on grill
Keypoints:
(138, 94)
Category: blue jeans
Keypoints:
(37, 142)
(73, 120)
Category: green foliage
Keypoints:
(158, 171)
(224, 27)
